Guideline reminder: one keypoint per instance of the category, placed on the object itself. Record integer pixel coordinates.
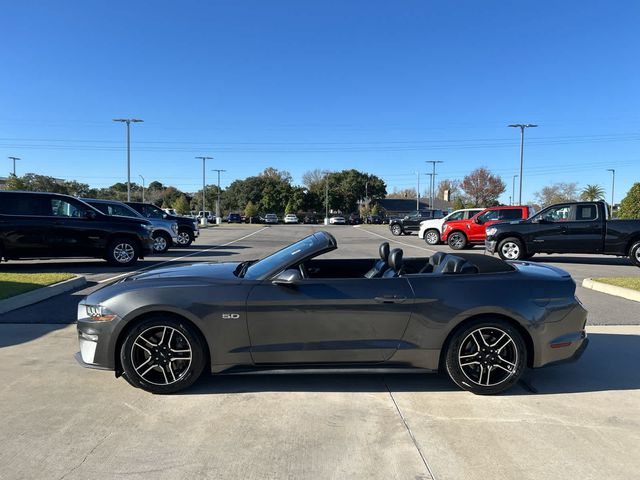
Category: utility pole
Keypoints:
(218, 219)
(513, 190)
(204, 159)
(418, 192)
(433, 182)
(521, 126)
(142, 187)
(128, 121)
(613, 187)
(326, 198)
(14, 164)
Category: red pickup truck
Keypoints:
(460, 234)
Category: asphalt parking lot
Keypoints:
(579, 420)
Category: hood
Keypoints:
(213, 271)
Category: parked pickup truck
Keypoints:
(577, 227)
(411, 222)
(460, 234)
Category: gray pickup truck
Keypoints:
(573, 227)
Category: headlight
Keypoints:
(174, 227)
(98, 313)
(445, 227)
(491, 230)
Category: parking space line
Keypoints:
(396, 241)
(180, 258)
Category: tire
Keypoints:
(185, 237)
(432, 236)
(122, 252)
(511, 249)
(634, 254)
(457, 240)
(161, 242)
(175, 346)
(396, 230)
(486, 356)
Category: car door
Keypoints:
(25, 225)
(585, 230)
(476, 227)
(73, 233)
(345, 320)
(551, 232)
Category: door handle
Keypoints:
(564, 230)
(390, 299)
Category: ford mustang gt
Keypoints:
(479, 318)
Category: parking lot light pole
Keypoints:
(613, 187)
(521, 126)
(14, 164)
(142, 187)
(204, 159)
(128, 121)
(326, 199)
(513, 190)
(218, 219)
(418, 192)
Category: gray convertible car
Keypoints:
(480, 319)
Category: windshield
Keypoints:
(286, 256)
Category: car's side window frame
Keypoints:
(574, 213)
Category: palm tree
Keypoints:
(591, 193)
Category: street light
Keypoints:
(613, 186)
(204, 159)
(433, 182)
(218, 219)
(513, 190)
(142, 187)
(14, 164)
(521, 126)
(128, 121)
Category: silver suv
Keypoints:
(165, 232)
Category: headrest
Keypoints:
(395, 259)
(384, 251)
(454, 264)
(436, 258)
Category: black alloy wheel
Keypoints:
(457, 241)
(486, 357)
(162, 355)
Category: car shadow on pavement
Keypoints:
(597, 260)
(609, 363)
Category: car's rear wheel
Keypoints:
(122, 252)
(511, 249)
(162, 355)
(161, 242)
(432, 236)
(185, 237)
(486, 356)
(396, 230)
(634, 254)
(457, 241)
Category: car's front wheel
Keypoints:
(161, 242)
(511, 249)
(122, 252)
(432, 236)
(396, 230)
(457, 241)
(162, 355)
(634, 254)
(185, 237)
(486, 356)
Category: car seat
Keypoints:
(395, 264)
(433, 262)
(381, 265)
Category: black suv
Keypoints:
(411, 222)
(234, 218)
(47, 225)
(187, 227)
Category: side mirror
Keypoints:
(165, 216)
(479, 221)
(90, 214)
(288, 277)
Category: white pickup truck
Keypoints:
(430, 230)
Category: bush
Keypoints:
(630, 205)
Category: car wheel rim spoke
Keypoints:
(488, 356)
(183, 238)
(159, 243)
(161, 355)
(511, 250)
(123, 252)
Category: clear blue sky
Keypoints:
(380, 86)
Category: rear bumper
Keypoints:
(573, 358)
(561, 341)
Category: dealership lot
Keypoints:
(580, 420)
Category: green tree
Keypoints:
(482, 188)
(458, 204)
(250, 211)
(630, 204)
(591, 193)
(181, 205)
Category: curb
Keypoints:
(35, 296)
(623, 292)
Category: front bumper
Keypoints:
(146, 246)
(490, 246)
